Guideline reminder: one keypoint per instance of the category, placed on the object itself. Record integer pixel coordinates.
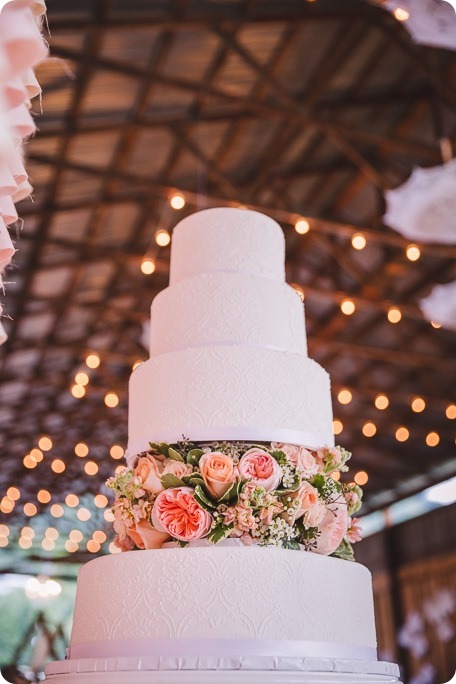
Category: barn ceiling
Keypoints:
(294, 108)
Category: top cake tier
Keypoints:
(233, 240)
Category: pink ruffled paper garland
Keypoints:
(22, 47)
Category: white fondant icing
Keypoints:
(229, 392)
(227, 239)
(259, 593)
(227, 308)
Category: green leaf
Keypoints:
(279, 456)
(233, 493)
(169, 480)
(203, 499)
(155, 447)
(193, 456)
(163, 448)
(193, 480)
(175, 455)
(344, 551)
(218, 533)
(291, 545)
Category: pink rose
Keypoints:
(177, 513)
(218, 471)
(354, 531)
(261, 468)
(301, 458)
(145, 536)
(177, 468)
(314, 516)
(333, 527)
(149, 471)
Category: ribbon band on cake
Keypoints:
(221, 647)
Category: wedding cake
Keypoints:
(234, 526)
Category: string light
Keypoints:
(436, 325)
(358, 241)
(344, 396)
(78, 391)
(418, 404)
(401, 14)
(43, 496)
(58, 466)
(381, 402)
(361, 478)
(116, 451)
(29, 461)
(48, 544)
(111, 400)
(93, 360)
(162, 238)
(99, 536)
(4, 541)
(30, 510)
(7, 505)
(72, 500)
(394, 314)
(136, 364)
(4, 530)
(432, 439)
(299, 290)
(177, 200)
(51, 533)
(83, 514)
(93, 546)
(347, 307)
(402, 434)
(27, 533)
(100, 501)
(369, 429)
(71, 546)
(45, 443)
(25, 543)
(81, 378)
(91, 468)
(120, 469)
(147, 266)
(113, 548)
(413, 252)
(37, 454)
(56, 510)
(302, 226)
(108, 515)
(338, 426)
(450, 411)
(335, 475)
(76, 536)
(81, 449)
(13, 493)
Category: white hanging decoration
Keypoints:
(429, 22)
(440, 305)
(424, 207)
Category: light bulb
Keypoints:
(302, 226)
(177, 200)
(358, 241)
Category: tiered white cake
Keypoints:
(228, 362)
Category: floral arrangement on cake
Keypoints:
(275, 494)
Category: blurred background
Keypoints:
(313, 113)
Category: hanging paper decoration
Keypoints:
(429, 22)
(424, 207)
(21, 48)
(440, 305)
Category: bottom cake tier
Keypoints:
(224, 613)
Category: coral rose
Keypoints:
(302, 458)
(177, 513)
(218, 471)
(149, 471)
(145, 536)
(261, 468)
(176, 468)
(307, 496)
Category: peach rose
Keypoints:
(333, 528)
(307, 496)
(315, 515)
(176, 468)
(261, 468)
(149, 471)
(218, 471)
(145, 536)
(177, 513)
(301, 458)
